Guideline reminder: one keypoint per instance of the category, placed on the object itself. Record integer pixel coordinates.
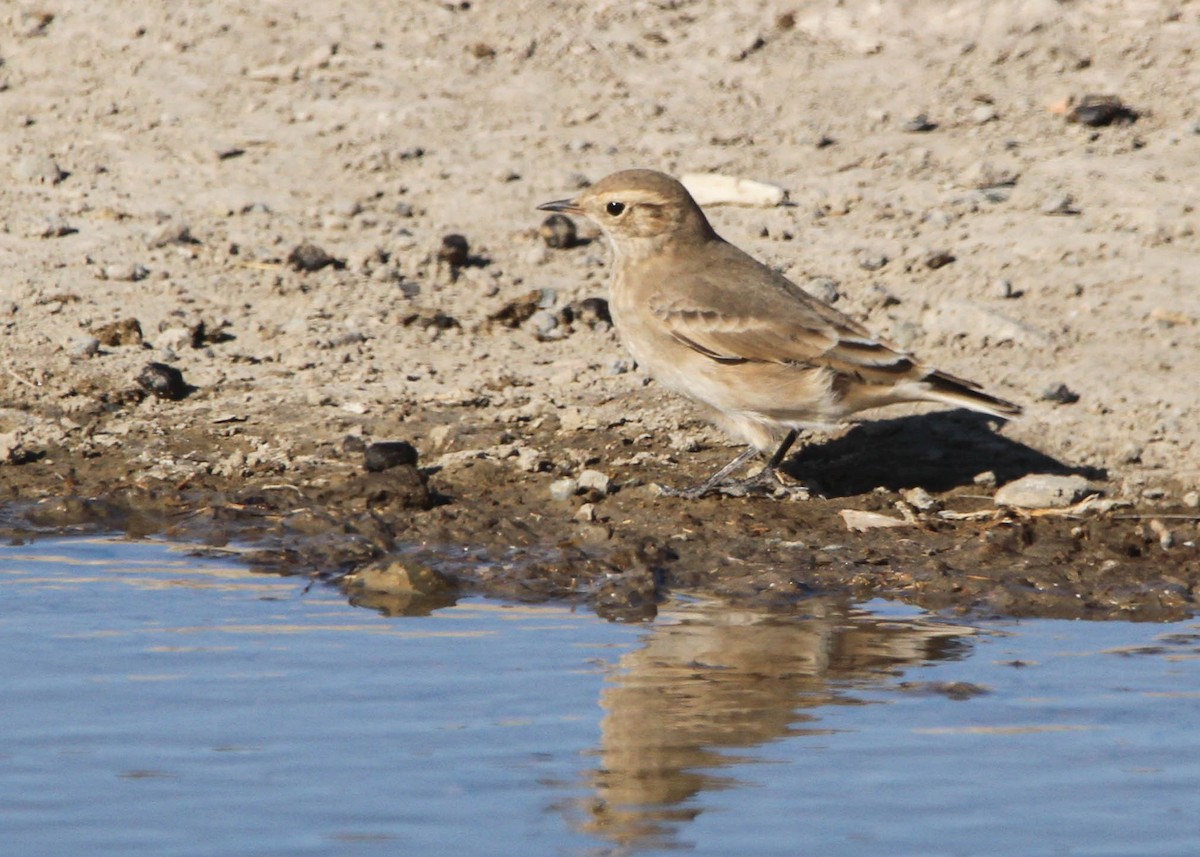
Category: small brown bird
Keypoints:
(762, 355)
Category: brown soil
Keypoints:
(169, 167)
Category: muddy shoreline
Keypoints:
(479, 523)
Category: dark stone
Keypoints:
(310, 257)
(127, 331)
(455, 251)
(388, 454)
(163, 381)
(558, 231)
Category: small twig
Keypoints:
(24, 380)
(1195, 517)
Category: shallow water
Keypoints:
(157, 703)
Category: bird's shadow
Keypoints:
(937, 451)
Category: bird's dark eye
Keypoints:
(615, 208)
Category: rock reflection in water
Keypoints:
(711, 679)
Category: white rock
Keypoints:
(563, 489)
(715, 189)
(594, 479)
(1042, 491)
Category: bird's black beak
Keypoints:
(567, 205)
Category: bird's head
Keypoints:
(639, 210)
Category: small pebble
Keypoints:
(163, 381)
(919, 124)
(872, 261)
(454, 250)
(586, 513)
(1004, 290)
(40, 169)
(1130, 453)
(125, 273)
(1059, 205)
(596, 480)
(1192, 499)
(127, 331)
(543, 322)
(1096, 111)
(824, 289)
(983, 114)
(1042, 491)
(986, 479)
(89, 346)
(1060, 394)
(171, 232)
(310, 257)
(938, 259)
(387, 454)
(563, 489)
(558, 231)
(921, 500)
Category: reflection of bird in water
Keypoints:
(719, 679)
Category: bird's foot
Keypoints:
(768, 482)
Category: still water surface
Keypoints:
(158, 703)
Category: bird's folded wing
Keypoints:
(775, 322)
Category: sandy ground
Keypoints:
(164, 166)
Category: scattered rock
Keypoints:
(872, 261)
(558, 231)
(454, 250)
(986, 479)
(545, 324)
(824, 289)
(1166, 539)
(982, 175)
(563, 489)
(163, 381)
(436, 320)
(919, 124)
(171, 232)
(1096, 111)
(586, 513)
(589, 311)
(595, 480)
(385, 455)
(1060, 394)
(310, 257)
(1130, 453)
(125, 273)
(1004, 290)
(935, 259)
(860, 521)
(1192, 499)
(401, 577)
(1042, 491)
(715, 189)
(516, 312)
(40, 169)
(921, 500)
(1059, 205)
(88, 346)
(983, 114)
(51, 227)
(127, 331)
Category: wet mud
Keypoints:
(413, 537)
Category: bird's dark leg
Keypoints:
(781, 453)
(764, 479)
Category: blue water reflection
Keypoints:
(159, 703)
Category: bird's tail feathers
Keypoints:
(941, 387)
